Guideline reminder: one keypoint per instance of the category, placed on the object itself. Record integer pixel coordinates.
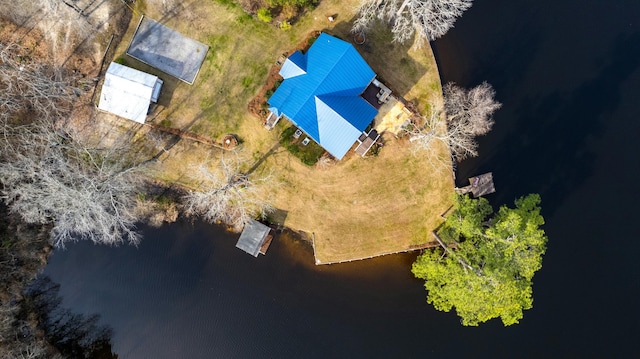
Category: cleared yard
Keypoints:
(356, 208)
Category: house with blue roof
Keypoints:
(322, 94)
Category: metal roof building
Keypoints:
(127, 92)
(255, 238)
(321, 94)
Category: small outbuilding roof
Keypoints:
(127, 92)
(321, 93)
(253, 237)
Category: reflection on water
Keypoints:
(74, 335)
(187, 290)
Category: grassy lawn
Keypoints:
(308, 154)
(356, 208)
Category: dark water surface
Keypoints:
(568, 74)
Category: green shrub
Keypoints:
(228, 3)
(285, 25)
(121, 60)
(264, 15)
(244, 18)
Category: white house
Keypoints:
(128, 92)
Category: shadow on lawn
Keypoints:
(390, 60)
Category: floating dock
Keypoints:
(479, 185)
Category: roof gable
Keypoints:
(295, 65)
(359, 112)
(334, 131)
(331, 74)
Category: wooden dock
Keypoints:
(267, 243)
(255, 238)
(479, 185)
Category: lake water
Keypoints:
(568, 74)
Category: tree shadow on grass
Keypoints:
(392, 62)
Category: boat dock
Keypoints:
(479, 185)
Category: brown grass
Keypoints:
(356, 208)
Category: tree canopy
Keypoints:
(48, 176)
(486, 262)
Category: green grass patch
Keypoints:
(121, 60)
(247, 82)
(228, 3)
(244, 19)
(217, 43)
(308, 154)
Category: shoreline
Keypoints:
(339, 205)
(344, 205)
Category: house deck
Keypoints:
(366, 141)
(393, 117)
(370, 95)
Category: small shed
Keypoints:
(255, 238)
(128, 92)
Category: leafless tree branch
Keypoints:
(47, 175)
(463, 116)
(428, 19)
(228, 196)
(86, 193)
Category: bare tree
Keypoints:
(429, 136)
(467, 114)
(429, 19)
(228, 196)
(85, 193)
(48, 176)
(29, 88)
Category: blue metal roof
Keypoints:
(320, 93)
(295, 65)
